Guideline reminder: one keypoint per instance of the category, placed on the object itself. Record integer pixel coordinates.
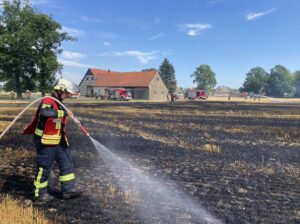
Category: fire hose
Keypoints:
(75, 119)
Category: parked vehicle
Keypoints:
(197, 94)
(119, 94)
(244, 94)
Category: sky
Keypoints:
(231, 36)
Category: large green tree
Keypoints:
(46, 47)
(29, 44)
(16, 59)
(280, 82)
(204, 77)
(168, 75)
(256, 81)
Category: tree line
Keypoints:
(29, 44)
(279, 82)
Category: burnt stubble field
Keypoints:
(238, 160)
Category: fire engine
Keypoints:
(197, 94)
(119, 94)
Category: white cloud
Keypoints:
(89, 19)
(72, 59)
(73, 32)
(107, 44)
(194, 29)
(74, 64)
(256, 15)
(156, 36)
(143, 57)
(70, 55)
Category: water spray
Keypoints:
(75, 119)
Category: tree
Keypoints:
(204, 77)
(168, 75)
(29, 44)
(297, 83)
(280, 82)
(256, 81)
(16, 64)
(48, 39)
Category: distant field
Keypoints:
(239, 160)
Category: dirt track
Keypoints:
(241, 161)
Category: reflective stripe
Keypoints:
(50, 142)
(67, 177)
(60, 113)
(40, 185)
(50, 137)
(57, 123)
(38, 179)
(46, 105)
(39, 132)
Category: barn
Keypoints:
(145, 85)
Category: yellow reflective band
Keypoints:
(40, 185)
(50, 142)
(38, 179)
(38, 132)
(50, 137)
(60, 113)
(68, 177)
(57, 123)
(46, 105)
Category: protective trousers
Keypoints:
(45, 158)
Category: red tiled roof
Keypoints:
(107, 78)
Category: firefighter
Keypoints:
(12, 95)
(173, 97)
(28, 94)
(49, 129)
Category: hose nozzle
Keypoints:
(83, 129)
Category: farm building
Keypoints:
(142, 85)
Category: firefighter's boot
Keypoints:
(71, 194)
(44, 198)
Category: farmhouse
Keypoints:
(142, 85)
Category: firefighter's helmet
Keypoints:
(66, 86)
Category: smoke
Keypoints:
(157, 202)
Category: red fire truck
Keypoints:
(197, 94)
(119, 94)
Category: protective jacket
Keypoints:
(49, 123)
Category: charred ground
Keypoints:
(241, 161)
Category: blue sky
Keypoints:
(231, 36)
